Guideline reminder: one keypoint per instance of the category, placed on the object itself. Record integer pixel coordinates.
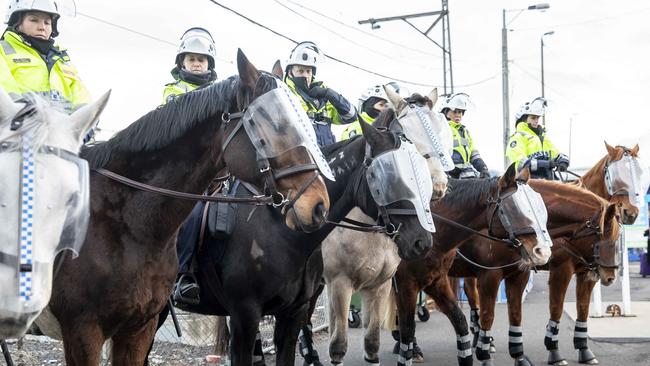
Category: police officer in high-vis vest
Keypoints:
(466, 157)
(529, 143)
(30, 60)
(323, 105)
(194, 63)
(372, 102)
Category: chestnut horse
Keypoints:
(564, 264)
(479, 198)
(578, 221)
(125, 271)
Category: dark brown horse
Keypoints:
(578, 220)
(478, 198)
(125, 271)
(587, 269)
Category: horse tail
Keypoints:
(222, 336)
(390, 318)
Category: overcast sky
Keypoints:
(597, 64)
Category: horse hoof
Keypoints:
(315, 363)
(418, 358)
(487, 363)
(587, 357)
(369, 362)
(554, 358)
(493, 348)
(524, 361)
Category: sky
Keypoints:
(597, 63)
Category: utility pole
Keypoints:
(541, 42)
(442, 15)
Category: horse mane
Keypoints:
(467, 192)
(571, 195)
(170, 121)
(335, 147)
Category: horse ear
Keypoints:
(395, 99)
(508, 178)
(85, 117)
(524, 174)
(370, 133)
(610, 150)
(433, 95)
(635, 150)
(247, 72)
(7, 106)
(611, 211)
(277, 69)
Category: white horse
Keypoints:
(41, 199)
(365, 262)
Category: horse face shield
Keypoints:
(625, 176)
(608, 254)
(402, 175)
(523, 212)
(50, 214)
(419, 122)
(276, 123)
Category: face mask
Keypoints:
(301, 83)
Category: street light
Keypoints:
(504, 72)
(541, 41)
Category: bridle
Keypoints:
(587, 229)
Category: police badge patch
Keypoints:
(513, 144)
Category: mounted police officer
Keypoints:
(466, 157)
(323, 105)
(372, 102)
(195, 62)
(31, 61)
(530, 143)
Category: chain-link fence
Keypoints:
(199, 330)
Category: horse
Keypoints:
(365, 262)
(480, 199)
(578, 221)
(41, 177)
(564, 264)
(265, 269)
(125, 271)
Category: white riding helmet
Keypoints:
(376, 91)
(197, 40)
(536, 108)
(304, 54)
(19, 6)
(455, 101)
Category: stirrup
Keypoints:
(186, 290)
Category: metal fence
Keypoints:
(199, 330)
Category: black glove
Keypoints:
(317, 91)
(484, 174)
(562, 162)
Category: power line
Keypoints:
(588, 21)
(390, 57)
(145, 35)
(370, 34)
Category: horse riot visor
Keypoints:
(624, 177)
(523, 212)
(440, 137)
(402, 175)
(277, 123)
(26, 250)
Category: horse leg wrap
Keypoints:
(405, 356)
(258, 353)
(473, 325)
(550, 340)
(395, 334)
(417, 351)
(306, 346)
(464, 346)
(483, 345)
(580, 343)
(515, 341)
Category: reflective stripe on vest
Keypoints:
(6, 47)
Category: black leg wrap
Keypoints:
(580, 335)
(396, 348)
(306, 346)
(483, 345)
(405, 356)
(516, 341)
(464, 347)
(417, 351)
(551, 338)
(258, 352)
(523, 361)
(395, 334)
(473, 321)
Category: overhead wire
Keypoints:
(373, 50)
